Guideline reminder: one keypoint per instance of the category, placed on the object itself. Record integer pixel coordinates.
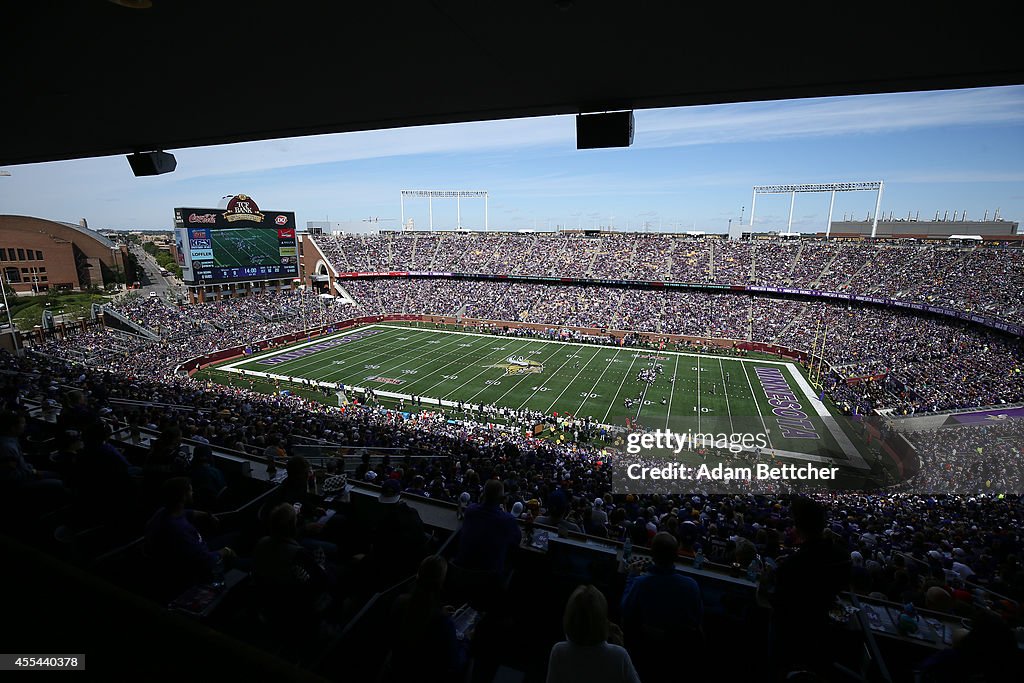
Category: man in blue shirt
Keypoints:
(488, 533)
(662, 610)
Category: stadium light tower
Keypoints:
(457, 195)
(875, 186)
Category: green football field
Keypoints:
(699, 393)
(244, 247)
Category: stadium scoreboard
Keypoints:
(236, 243)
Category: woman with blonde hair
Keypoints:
(586, 654)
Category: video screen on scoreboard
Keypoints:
(211, 250)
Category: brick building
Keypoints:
(38, 255)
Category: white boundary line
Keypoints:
(618, 391)
(607, 365)
(725, 388)
(437, 373)
(284, 349)
(571, 382)
(855, 459)
(672, 391)
(304, 363)
(698, 393)
(849, 450)
(600, 346)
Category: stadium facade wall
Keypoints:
(929, 229)
(37, 254)
(198, 294)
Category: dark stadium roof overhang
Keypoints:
(85, 78)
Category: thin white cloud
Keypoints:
(954, 176)
(288, 173)
(861, 114)
(659, 128)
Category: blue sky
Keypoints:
(689, 168)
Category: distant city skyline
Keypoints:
(690, 168)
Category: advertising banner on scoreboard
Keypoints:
(236, 243)
(183, 253)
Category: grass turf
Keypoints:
(261, 247)
(717, 394)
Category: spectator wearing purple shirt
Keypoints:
(173, 541)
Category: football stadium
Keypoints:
(618, 412)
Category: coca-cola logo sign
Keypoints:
(202, 218)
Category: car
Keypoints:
(152, 295)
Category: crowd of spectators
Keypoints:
(881, 358)
(981, 279)
(975, 460)
(190, 331)
(922, 547)
(918, 363)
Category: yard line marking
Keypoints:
(671, 391)
(550, 407)
(544, 383)
(643, 396)
(476, 376)
(619, 390)
(698, 394)
(349, 373)
(525, 376)
(305, 361)
(728, 409)
(758, 406)
(436, 372)
(315, 360)
(428, 361)
(598, 382)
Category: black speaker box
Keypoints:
(152, 163)
(613, 129)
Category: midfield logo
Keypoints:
(517, 365)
